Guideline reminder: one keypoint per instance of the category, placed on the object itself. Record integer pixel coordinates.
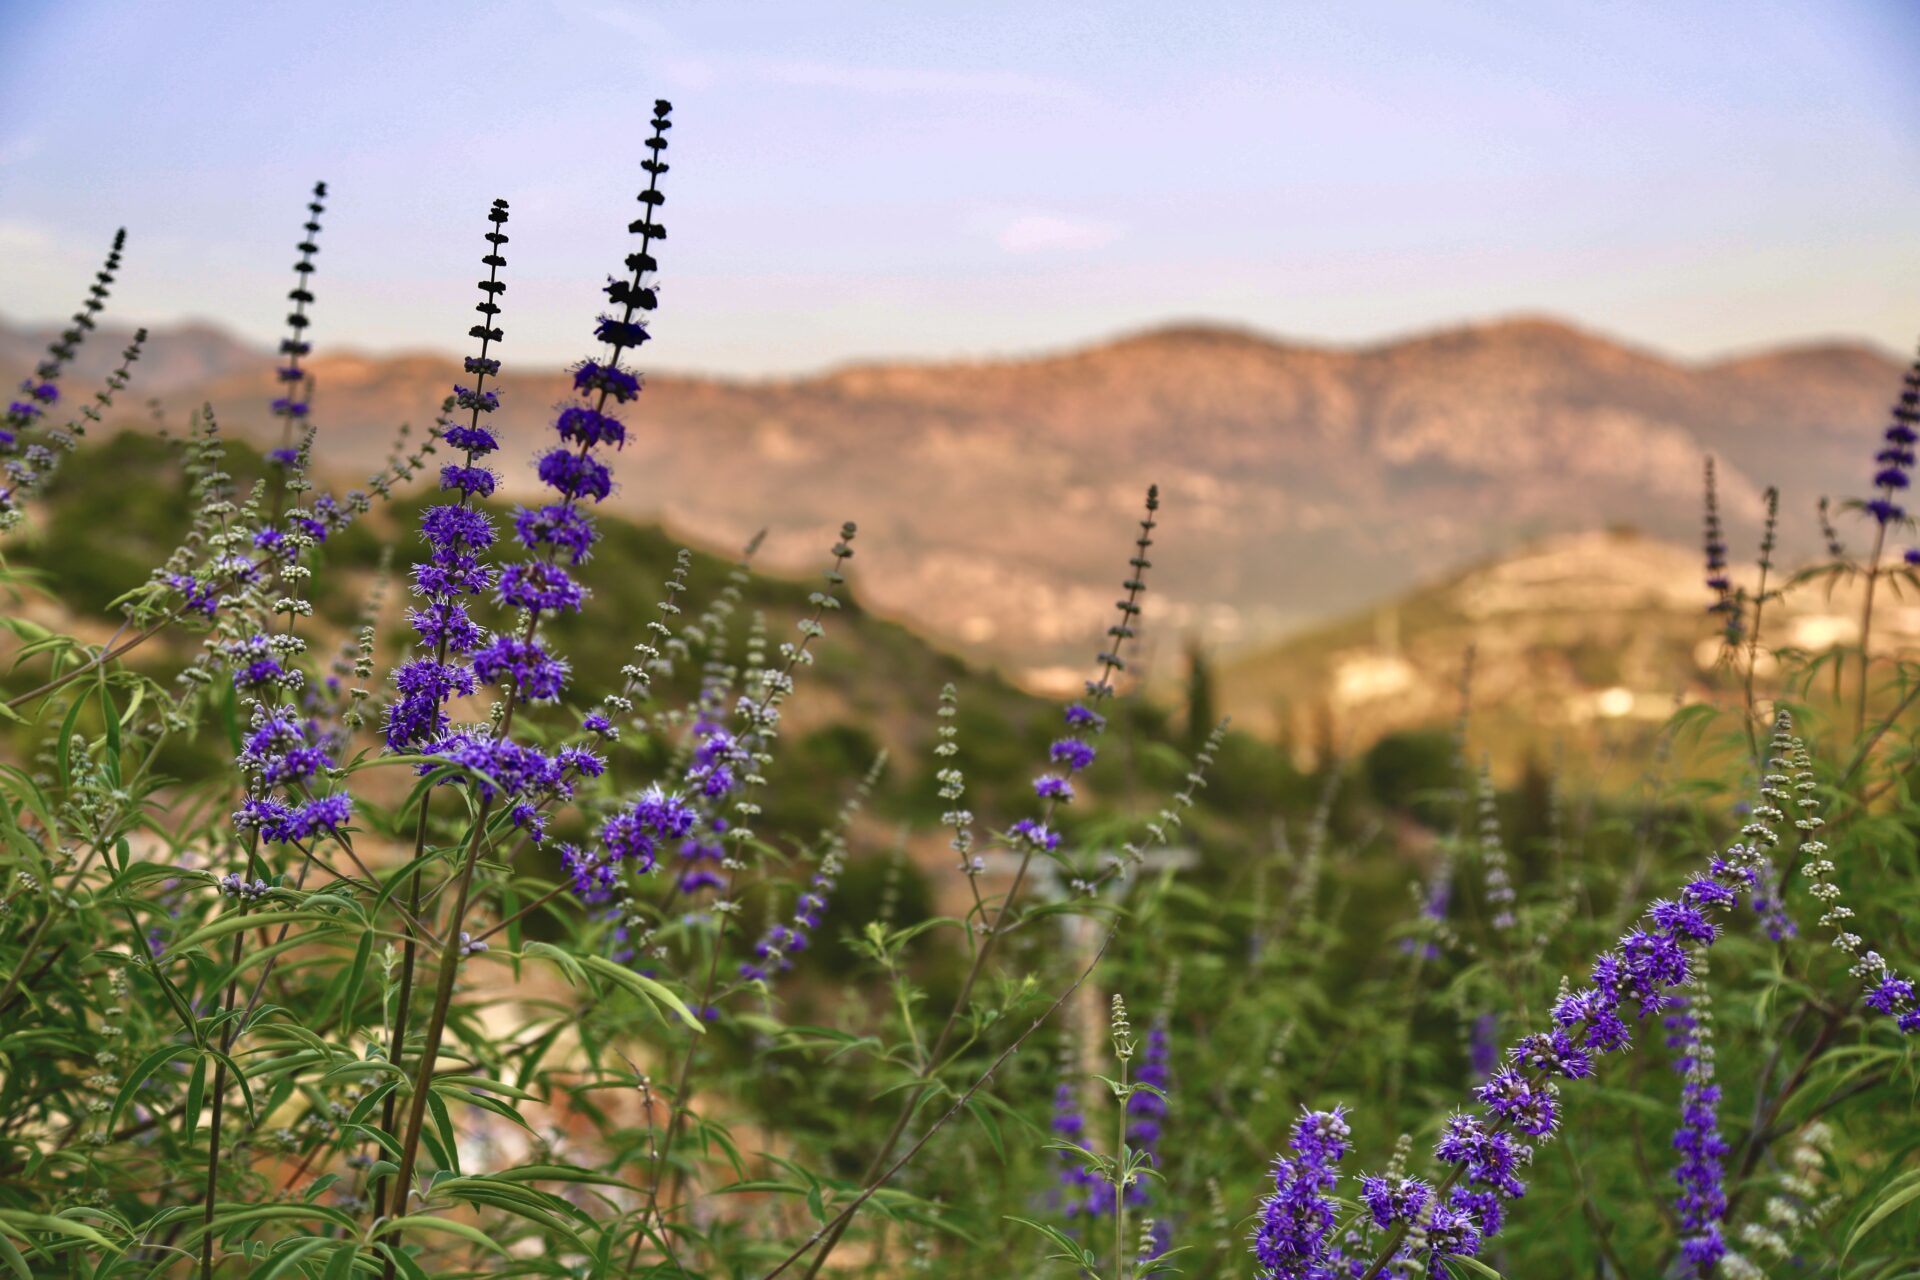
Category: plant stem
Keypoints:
(874, 1184)
(437, 1019)
(1120, 1181)
(1866, 628)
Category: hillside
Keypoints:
(873, 683)
(1300, 481)
(1578, 639)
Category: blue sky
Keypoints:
(884, 179)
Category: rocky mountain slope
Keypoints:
(1299, 481)
(1579, 641)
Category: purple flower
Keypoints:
(555, 528)
(582, 424)
(1053, 787)
(467, 480)
(608, 379)
(575, 475)
(1291, 1240)
(474, 400)
(1702, 1200)
(633, 834)
(1896, 457)
(540, 586)
(1389, 1199)
(1073, 753)
(523, 665)
(1077, 1183)
(1890, 995)
(1037, 834)
(775, 950)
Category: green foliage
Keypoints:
(187, 1076)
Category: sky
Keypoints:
(860, 181)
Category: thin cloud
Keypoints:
(1047, 232)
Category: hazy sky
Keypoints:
(879, 179)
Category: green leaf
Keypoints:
(1901, 1192)
(644, 987)
(267, 1213)
(404, 1261)
(559, 1173)
(341, 1268)
(1473, 1266)
(234, 923)
(138, 1076)
(23, 1221)
(293, 1256)
(111, 718)
(427, 1222)
(992, 1127)
(9, 1254)
(1070, 1249)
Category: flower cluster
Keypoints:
(1726, 601)
(40, 391)
(630, 838)
(1802, 1205)
(1291, 1240)
(1147, 1108)
(1075, 1196)
(37, 462)
(953, 784)
(1702, 1200)
(1146, 1112)
(774, 952)
(715, 769)
(523, 778)
(1769, 903)
(458, 536)
(281, 761)
(1493, 857)
(1895, 459)
(1888, 993)
(1520, 1100)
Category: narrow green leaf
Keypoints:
(1899, 1197)
(234, 923)
(644, 987)
(138, 1076)
(427, 1222)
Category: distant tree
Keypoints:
(1202, 709)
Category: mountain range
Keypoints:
(996, 499)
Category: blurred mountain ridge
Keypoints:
(995, 497)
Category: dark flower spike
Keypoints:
(1835, 548)
(1701, 1203)
(1488, 1146)
(1075, 752)
(522, 779)
(1894, 462)
(36, 464)
(459, 537)
(292, 405)
(42, 390)
(1726, 601)
(562, 529)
